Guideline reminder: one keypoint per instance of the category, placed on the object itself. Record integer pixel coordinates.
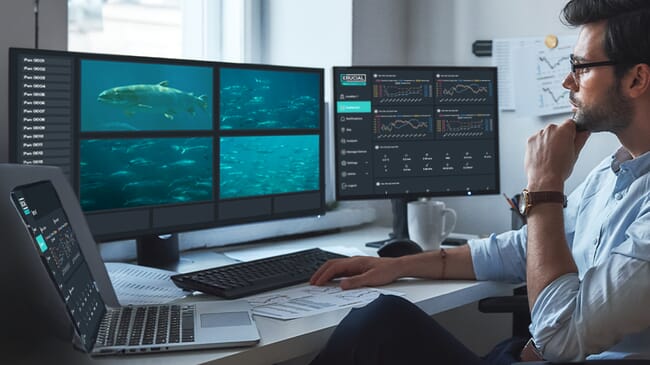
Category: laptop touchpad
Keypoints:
(225, 319)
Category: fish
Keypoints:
(122, 173)
(268, 123)
(140, 161)
(155, 98)
(120, 126)
(143, 185)
(183, 163)
(180, 163)
(184, 149)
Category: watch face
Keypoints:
(523, 203)
(529, 199)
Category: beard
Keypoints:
(614, 114)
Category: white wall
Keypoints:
(307, 33)
(379, 33)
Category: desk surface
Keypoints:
(285, 340)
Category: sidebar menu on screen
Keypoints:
(44, 104)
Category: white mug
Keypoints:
(429, 222)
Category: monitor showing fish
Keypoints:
(132, 97)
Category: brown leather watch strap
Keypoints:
(529, 199)
(537, 197)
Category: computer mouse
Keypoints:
(397, 247)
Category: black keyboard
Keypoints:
(252, 277)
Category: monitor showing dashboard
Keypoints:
(155, 146)
(410, 132)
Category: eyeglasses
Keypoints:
(578, 68)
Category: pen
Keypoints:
(510, 203)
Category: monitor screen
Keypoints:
(155, 146)
(410, 132)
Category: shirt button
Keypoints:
(618, 196)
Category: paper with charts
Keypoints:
(532, 73)
(309, 300)
(139, 285)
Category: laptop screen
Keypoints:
(55, 241)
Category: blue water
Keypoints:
(125, 173)
(252, 166)
(265, 99)
(131, 172)
(98, 76)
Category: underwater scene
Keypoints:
(129, 96)
(124, 173)
(259, 99)
(262, 165)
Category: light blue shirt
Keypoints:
(603, 311)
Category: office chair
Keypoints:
(517, 304)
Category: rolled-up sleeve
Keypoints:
(500, 257)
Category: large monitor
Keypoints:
(408, 132)
(160, 146)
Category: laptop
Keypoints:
(101, 329)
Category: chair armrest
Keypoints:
(516, 304)
(507, 304)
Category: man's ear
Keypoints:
(637, 80)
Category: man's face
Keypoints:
(595, 92)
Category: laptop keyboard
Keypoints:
(147, 325)
(252, 277)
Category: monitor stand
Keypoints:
(163, 252)
(160, 251)
(400, 222)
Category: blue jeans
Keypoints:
(392, 330)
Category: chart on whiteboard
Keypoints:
(531, 74)
(552, 66)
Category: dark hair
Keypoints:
(627, 35)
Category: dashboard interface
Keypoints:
(415, 131)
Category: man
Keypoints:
(586, 265)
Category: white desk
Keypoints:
(285, 340)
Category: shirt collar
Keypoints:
(622, 159)
(618, 158)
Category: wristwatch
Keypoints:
(531, 198)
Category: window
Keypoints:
(197, 29)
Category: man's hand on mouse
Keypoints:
(358, 271)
